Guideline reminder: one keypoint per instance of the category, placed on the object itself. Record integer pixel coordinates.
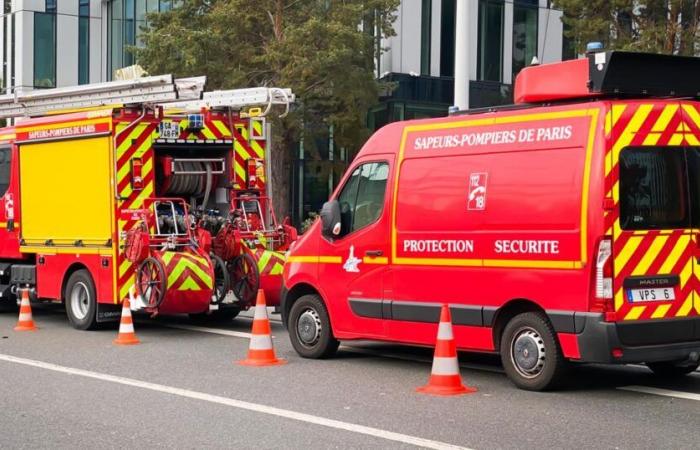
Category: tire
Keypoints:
(245, 278)
(524, 334)
(310, 328)
(219, 316)
(150, 282)
(80, 299)
(222, 281)
(672, 369)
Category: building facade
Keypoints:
(56, 43)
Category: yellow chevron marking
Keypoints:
(617, 230)
(257, 127)
(125, 169)
(661, 311)
(223, 129)
(676, 139)
(635, 312)
(626, 253)
(619, 299)
(650, 255)
(243, 131)
(672, 258)
(257, 148)
(665, 118)
(692, 140)
(264, 259)
(133, 134)
(608, 122)
(208, 133)
(123, 267)
(277, 270)
(188, 285)
(167, 256)
(124, 290)
(687, 306)
(632, 127)
(686, 272)
(652, 139)
(617, 111)
(184, 264)
(692, 113)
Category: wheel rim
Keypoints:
(80, 300)
(527, 352)
(150, 283)
(309, 327)
(219, 281)
(245, 276)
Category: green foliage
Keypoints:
(315, 47)
(658, 26)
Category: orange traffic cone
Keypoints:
(260, 351)
(126, 335)
(445, 378)
(25, 322)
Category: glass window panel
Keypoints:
(490, 46)
(5, 157)
(50, 6)
(425, 36)
(44, 50)
(524, 37)
(362, 199)
(653, 189)
(84, 8)
(83, 50)
(447, 38)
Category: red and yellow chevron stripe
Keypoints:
(187, 271)
(269, 262)
(246, 148)
(654, 252)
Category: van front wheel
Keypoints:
(530, 352)
(310, 328)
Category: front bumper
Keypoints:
(638, 341)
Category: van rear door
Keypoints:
(653, 245)
(691, 119)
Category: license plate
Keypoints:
(651, 295)
(169, 130)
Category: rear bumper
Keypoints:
(639, 341)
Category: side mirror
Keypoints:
(330, 219)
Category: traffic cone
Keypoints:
(25, 322)
(126, 334)
(444, 377)
(260, 351)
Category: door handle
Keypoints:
(374, 253)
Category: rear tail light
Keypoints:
(604, 278)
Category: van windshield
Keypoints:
(659, 188)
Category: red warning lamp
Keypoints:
(136, 174)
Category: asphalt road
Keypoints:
(63, 388)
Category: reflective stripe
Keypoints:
(25, 317)
(445, 366)
(260, 342)
(260, 312)
(126, 328)
(445, 331)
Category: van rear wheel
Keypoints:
(80, 299)
(310, 328)
(530, 352)
(672, 369)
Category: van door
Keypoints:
(653, 244)
(353, 265)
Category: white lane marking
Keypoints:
(370, 352)
(255, 407)
(221, 331)
(662, 392)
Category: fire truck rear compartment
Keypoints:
(194, 172)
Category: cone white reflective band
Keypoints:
(126, 312)
(260, 342)
(445, 331)
(126, 328)
(260, 312)
(25, 316)
(445, 366)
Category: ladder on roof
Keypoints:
(184, 94)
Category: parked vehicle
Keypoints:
(561, 229)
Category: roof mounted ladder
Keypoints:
(155, 89)
(238, 99)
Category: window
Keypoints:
(362, 199)
(425, 33)
(490, 46)
(447, 38)
(653, 189)
(45, 49)
(5, 159)
(50, 6)
(524, 35)
(84, 42)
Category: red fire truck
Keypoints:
(561, 229)
(129, 192)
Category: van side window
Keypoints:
(362, 198)
(5, 156)
(653, 189)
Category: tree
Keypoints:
(658, 26)
(316, 47)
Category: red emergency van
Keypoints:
(564, 228)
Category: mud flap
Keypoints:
(108, 312)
